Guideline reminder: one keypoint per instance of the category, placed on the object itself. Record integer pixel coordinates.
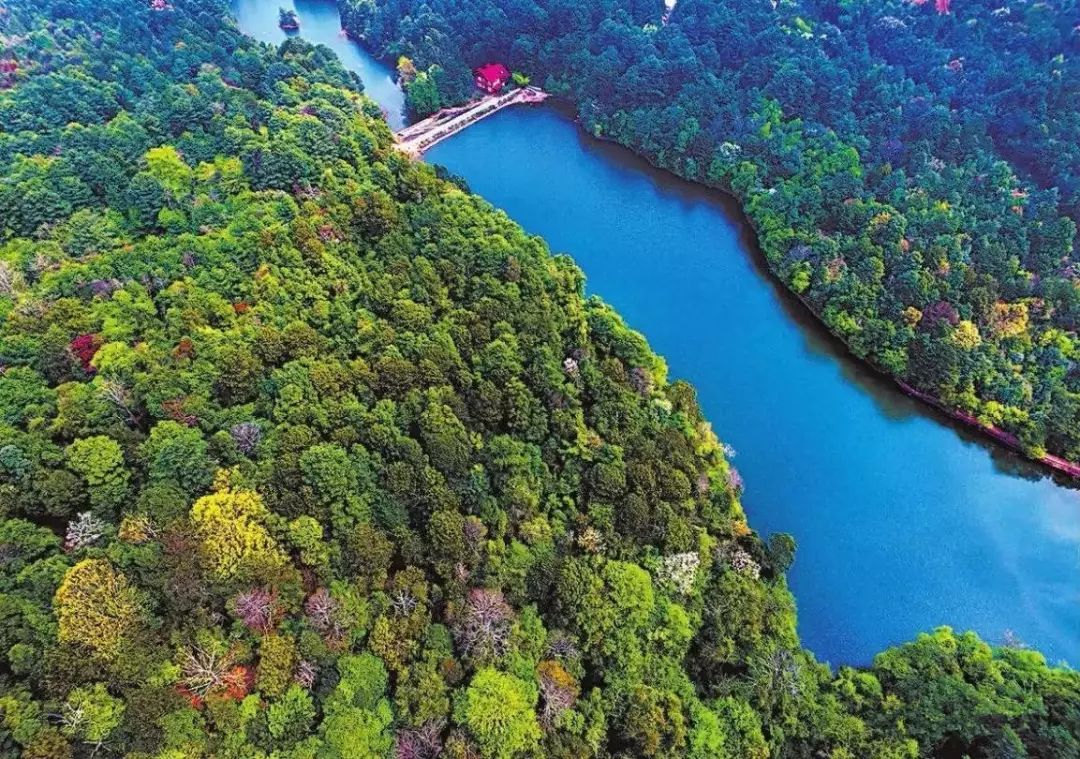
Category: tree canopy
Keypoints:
(305, 451)
(912, 169)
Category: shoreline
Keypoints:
(1052, 462)
(1005, 438)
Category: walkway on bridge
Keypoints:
(417, 138)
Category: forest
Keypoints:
(306, 452)
(912, 168)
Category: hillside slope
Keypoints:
(307, 452)
(910, 167)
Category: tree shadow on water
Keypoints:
(888, 398)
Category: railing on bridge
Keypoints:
(417, 138)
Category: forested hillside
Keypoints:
(307, 452)
(910, 166)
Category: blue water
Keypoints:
(319, 22)
(904, 522)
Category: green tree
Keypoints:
(498, 709)
(358, 716)
(90, 714)
(332, 480)
(363, 682)
(176, 454)
(445, 439)
(289, 719)
(357, 733)
(422, 93)
(23, 394)
(100, 462)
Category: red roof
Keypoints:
(493, 73)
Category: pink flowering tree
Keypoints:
(258, 609)
(483, 627)
(326, 615)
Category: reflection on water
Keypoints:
(904, 520)
(319, 23)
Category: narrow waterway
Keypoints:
(904, 522)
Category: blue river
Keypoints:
(904, 521)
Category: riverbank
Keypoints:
(994, 434)
(848, 292)
(1001, 436)
(866, 478)
(416, 138)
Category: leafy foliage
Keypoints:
(354, 469)
(912, 169)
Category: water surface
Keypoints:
(319, 22)
(904, 521)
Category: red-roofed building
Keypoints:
(491, 77)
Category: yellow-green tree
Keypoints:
(100, 461)
(498, 710)
(277, 660)
(234, 542)
(97, 607)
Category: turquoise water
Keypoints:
(904, 522)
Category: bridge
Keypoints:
(415, 139)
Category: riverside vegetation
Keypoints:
(912, 168)
(305, 451)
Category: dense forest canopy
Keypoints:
(912, 168)
(307, 452)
